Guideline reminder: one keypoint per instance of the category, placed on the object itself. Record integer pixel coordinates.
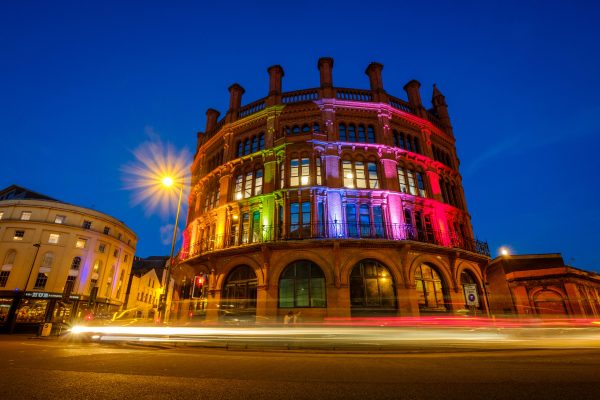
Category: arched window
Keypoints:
(305, 128)
(239, 293)
(548, 302)
(316, 128)
(261, 141)
(430, 289)
(351, 133)
(9, 260)
(254, 144)
(302, 284)
(343, 134)
(362, 136)
(247, 146)
(296, 130)
(48, 259)
(97, 267)
(76, 263)
(372, 289)
(370, 134)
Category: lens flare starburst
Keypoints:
(156, 175)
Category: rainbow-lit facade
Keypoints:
(331, 202)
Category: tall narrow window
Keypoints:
(258, 182)
(348, 174)
(373, 178)
(245, 227)
(370, 134)
(240, 149)
(318, 167)
(305, 172)
(320, 220)
(238, 187)
(69, 285)
(362, 136)
(261, 141)
(294, 219)
(343, 134)
(248, 185)
(365, 221)
(306, 218)
(282, 175)
(294, 172)
(254, 144)
(351, 133)
(247, 146)
(421, 185)
(378, 221)
(351, 220)
(359, 172)
(256, 228)
(412, 187)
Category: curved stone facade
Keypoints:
(61, 261)
(358, 187)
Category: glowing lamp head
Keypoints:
(304, 180)
(504, 251)
(167, 181)
(238, 196)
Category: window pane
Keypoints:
(302, 292)
(294, 172)
(248, 185)
(348, 175)
(362, 137)
(373, 178)
(258, 182)
(359, 170)
(286, 293)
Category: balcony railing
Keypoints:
(336, 230)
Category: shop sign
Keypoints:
(471, 294)
(47, 295)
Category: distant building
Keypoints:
(541, 285)
(146, 285)
(60, 262)
(333, 202)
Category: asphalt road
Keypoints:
(57, 369)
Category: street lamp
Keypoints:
(19, 298)
(168, 181)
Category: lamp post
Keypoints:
(168, 182)
(19, 298)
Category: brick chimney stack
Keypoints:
(212, 116)
(414, 97)
(275, 76)
(235, 101)
(325, 66)
(374, 72)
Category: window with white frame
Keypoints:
(87, 224)
(248, 184)
(25, 215)
(318, 167)
(411, 181)
(59, 219)
(361, 175)
(19, 235)
(299, 171)
(80, 243)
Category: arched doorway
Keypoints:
(372, 290)
(238, 300)
(549, 303)
(431, 290)
(472, 292)
(302, 284)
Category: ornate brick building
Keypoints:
(331, 201)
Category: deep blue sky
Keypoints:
(81, 85)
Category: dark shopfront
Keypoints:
(36, 308)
